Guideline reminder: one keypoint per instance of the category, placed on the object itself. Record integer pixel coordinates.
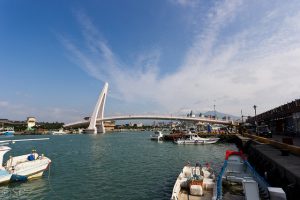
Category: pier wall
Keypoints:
(280, 168)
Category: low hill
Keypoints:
(221, 115)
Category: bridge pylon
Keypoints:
(98, 113)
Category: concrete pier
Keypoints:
(278, 166)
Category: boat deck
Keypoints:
(185, 196)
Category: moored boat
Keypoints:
(239, 180)
(24, 167)
(194, 183)
(192, 138)
(59, 132)
(8, 131)
(27, 166)
(157, 135)
(4, 174)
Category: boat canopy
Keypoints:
(231, 153)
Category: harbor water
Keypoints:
(126, 165)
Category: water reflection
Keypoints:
(32, 188)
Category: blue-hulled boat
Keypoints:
(238, 180)
(7, 132)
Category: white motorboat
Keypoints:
(4, 174)
(192, 138)
(24, 167)
(157, 135)
(59, 132)
(194, 183)
(239, 180)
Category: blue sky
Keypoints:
(160, 56)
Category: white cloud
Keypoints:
(257, 63)
(3, 103)
(185, 3)
(20, 112)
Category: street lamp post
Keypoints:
(255, 118)
(215, 109)
(242, 116)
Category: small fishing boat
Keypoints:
(24, 167)
(157, 135)
(192, 138)
(8, 131)
(238, 180)
(59, 132)
(194, 183)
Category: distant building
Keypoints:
(4, 120)
(201, 115)
(226, 117)
(191, 114)
(30, 122)
(109, 125)
(172, 124)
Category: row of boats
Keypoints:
(23, 167)
(237, 180)
(189, 138)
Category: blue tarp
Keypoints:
(30, 157)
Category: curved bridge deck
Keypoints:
(151, 117)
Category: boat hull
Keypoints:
(200, 141)
(18, 177)
(7, 133)
(4, 177)
(30, 169)
(157, 136)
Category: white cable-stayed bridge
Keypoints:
(98, 118)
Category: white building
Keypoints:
(30, 122)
